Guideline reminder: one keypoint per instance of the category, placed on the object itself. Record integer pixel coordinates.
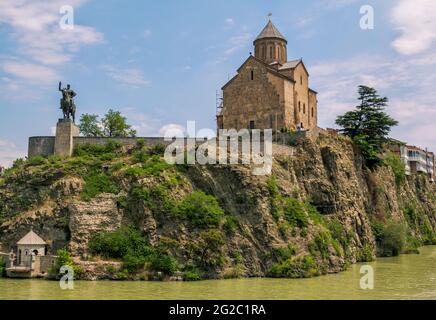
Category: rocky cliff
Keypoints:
(320, 211)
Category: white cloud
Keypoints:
(416, 23)
(172, 130)
(409, 83)
(35, 28)
(8, 153)
(238, 42)
(129, 77)
(31, 72)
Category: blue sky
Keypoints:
(161, 62)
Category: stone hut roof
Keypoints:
(31, 238)
(270, 31)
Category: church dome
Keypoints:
(270, 32)
(270, 45)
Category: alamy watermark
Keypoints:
(367, 19)
(367, 279)
(67, 20)
(67, 280)
(247, 147)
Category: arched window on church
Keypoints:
(313, 112)
(299, 106)
(252, 75)
(304, 108)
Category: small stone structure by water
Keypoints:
(30, 259)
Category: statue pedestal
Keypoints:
(65, 131)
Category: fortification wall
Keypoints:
(43, 146)
(150, 141)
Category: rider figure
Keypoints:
(67, 100)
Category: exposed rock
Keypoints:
(88, 218)
(328, 173)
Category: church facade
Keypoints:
(269, 92)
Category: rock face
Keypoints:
(319, 211)
(88, 218)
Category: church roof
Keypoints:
(31, 238)
(290, 64)
(270, 31)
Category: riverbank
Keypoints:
(404, 277)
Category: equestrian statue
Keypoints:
(67, 102)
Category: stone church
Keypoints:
(269, 92)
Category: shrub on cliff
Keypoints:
(207, 249)
(397, 166)
(390, 238)
(97, 150)
(293, 211)
(64, 259)
(150, 165)
(2, 268)
(128, 244)
(162, 262)
(297, 267)
(119, 243)
(36, 161)
(191, 273)
(97, 183)
(201, 210)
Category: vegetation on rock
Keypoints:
(315, 214)
(2, 268)
(65, 259)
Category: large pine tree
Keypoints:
(368, 125)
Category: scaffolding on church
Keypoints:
(219, 102)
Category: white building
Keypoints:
(418, 160)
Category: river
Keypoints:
(403, 277)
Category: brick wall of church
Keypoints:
(253, 99)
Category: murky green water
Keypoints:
(404, 277)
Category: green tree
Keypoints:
(368, 125)
(115, 125)
(90, 125)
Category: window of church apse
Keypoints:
(299, 106)
(252, 75)
(313, 112)
(304, 108)
(301, 80)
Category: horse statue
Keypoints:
(67, 102)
